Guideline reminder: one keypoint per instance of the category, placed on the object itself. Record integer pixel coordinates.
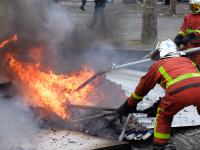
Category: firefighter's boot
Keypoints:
(158, 146)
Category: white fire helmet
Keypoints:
(165, 49)
(195, 6)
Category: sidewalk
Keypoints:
(124, 24)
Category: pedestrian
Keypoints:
(167, 2)
(83, 5)
(181, 82)
(189, 34)
(98, 13)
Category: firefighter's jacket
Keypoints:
(170, 73)
(191, 24)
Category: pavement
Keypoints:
(124, 24)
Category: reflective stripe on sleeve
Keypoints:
(192, 31)
(181, 33)
(136, 97)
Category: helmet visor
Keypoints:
(195, 8)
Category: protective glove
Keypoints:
(125, 108)
(178, 40)
(188, 38)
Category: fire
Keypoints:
(5, 42)
(47, 89)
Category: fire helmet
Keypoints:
(164, 49)
(195, 6)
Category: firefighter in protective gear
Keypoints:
(181, 80)
(189, 34)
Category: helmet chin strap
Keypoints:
(171, 55)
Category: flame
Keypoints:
(5, 42)
(47, 89)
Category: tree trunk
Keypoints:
(149, 22)
(172, 9)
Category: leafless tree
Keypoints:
(149, 22)
(172, 8)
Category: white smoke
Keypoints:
(17, 125)
(35, 21)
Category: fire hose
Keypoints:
(114, 67)
(146, 58)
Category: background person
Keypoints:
(99, 13)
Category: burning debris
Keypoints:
(36, 81)
(49, 94)
(46, 88)
(55, 101)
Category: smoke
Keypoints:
(17, 125)
(49, 24)
(40, 21)
(43, 23)
(65, 48)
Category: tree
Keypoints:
(149, 22)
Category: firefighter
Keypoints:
(181, 80)
(189, 34)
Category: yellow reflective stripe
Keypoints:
(161, 135)
(195, 65)
(165, 74)
(157, 134)
(192, 31)
(181, 33)
(171, 81)
(182, 77)
(136, 97)
(158, 110)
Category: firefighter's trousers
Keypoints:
(169, 106)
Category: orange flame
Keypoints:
(45, 88)
(5, 42)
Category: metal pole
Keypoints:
(94, 108)
(189, 51)
(181, 53)
(94, 117)
(124, 127)
(131, 63)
